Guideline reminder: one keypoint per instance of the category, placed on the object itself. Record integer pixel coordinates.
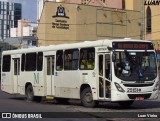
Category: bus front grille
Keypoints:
(138, 85)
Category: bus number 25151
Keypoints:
(133, 90)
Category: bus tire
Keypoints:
(29, 93)
(126, 103)
(87, 98)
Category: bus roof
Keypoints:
(85, 44)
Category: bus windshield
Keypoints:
(135, 66)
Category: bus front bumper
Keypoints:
(123, 96)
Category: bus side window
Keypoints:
(6, 63)
(107, 66)
(87, 59)
(71, 58)
(59, 60)
(31, 61)
(39, 61)
(23, 62)
(101, 65)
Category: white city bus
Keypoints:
(105, 70)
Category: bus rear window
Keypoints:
(6, 63)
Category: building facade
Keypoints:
(138, 5)
(103, 3)
(40, 4)
(65, 23)
(24, 28)
(150, 17)
(10, 13)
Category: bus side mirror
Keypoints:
(113, 57)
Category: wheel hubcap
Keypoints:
(30, 93)
(88, 97)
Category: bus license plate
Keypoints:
(139, 98)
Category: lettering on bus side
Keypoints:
(36, 78)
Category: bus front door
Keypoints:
(50, 63)
(16, 72)
(104, 76)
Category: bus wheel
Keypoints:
(29, 93)
(126, 103)
(87, 98)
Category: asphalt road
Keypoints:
(74, 111)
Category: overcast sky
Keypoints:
(29, 8)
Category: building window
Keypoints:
(123, 4)
(83, 1)
(104, 1)
(148, 25)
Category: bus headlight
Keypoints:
(156, 87)
(119, 88)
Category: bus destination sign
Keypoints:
(133, 45)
